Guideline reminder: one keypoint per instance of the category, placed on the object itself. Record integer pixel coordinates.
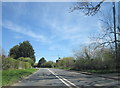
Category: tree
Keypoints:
(41, 61)
(99, 59)
(14, 52)
(48, 64)
(26, 50)
(105, 37)
(68, 62)
(65, 62)
(89, 8)
(85, 52)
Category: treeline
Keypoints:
(45, 64)
(66, 62)
(101, 59)
(20, 57)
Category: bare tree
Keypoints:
(111, 33)
(105, 38)
(89, 8)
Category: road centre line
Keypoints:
(63, 80)
(59, 78)
(68, 81)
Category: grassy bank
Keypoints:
(65, 68)
(100, 71)
(11, 76)
(90, 71)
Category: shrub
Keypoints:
(27, 65)
(10, 63)
(48, 64)
(27, 59)
(68, 62)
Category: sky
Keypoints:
(50, 27)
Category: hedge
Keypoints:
(10, 63)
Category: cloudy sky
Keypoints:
(49, 27)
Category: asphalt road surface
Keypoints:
(58, 77)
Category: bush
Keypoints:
(101, 61)
(10, 63)
(27, 59)
(66, 62)
(48, 64)
(27, 65)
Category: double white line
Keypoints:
(65, 81)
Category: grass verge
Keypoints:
(99, 71)
(11, 76)
(65, 68)
(90, 71)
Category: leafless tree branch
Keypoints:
(87, 7)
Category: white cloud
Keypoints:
(18, 37)
(76, 34)
(19, 29)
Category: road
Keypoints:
(58, 77)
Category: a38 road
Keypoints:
(57, 77)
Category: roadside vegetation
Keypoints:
(86, 59)
(102, 55)
(101, 60)
(45, 64)
(11, 76)
(18, 64)
(20, 57)
(10, 63)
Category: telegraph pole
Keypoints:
(114, 23)
(116, 40)
(119, 21)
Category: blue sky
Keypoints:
(49, 27)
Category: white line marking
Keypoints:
(59, 78)
(68, 81)
(63, 79)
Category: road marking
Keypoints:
(63, 80)
(59, 78)
(68, 81)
